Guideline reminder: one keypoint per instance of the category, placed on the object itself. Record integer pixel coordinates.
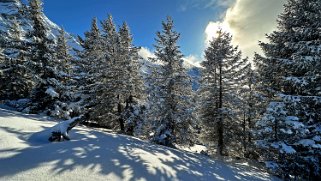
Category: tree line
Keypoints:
(267, 108)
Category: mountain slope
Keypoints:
(14, 9)
(25, 154)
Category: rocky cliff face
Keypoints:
(11, 10)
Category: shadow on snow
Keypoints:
(126, 157)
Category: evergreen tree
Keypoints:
(87, 71)
(42, 62)
(62, 54)
(113, 90)
(63, 60)
(120, 89)
(170, 89)
(16, 77)
(219, 100)
(249, 110)
(289, 132)
(134, 85)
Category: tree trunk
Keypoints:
(244, 132)
(121, 120)
(220, 144)
(249, 119)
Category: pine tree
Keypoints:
(16, 76)
(42, 62)
(219, 101)
(134, 86)
(87, 72)
(249, 109)
(289, 132)
(114, 77)
(62, 53)
(169, 99)
(120, 86)
(63, 64)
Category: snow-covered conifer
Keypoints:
(291, 66)
(169, 97)
(62, 65)
(219, 101)
(87, 70)
(16, 78)
(134, 92)
(42, 62)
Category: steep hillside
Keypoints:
(14, 9)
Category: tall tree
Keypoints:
(62, 65)
(169, 101)
(289, 132)
(219, 102)
(16, 76)
(115, 81)
(134, 86)
(41, 61)
(88, 71)
(248, 109)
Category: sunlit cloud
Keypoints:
(212, 29)
(248, 21)
(192, 60)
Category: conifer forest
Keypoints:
(265, 108)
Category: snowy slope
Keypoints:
(10, 9)
(25, 154)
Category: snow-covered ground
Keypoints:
(25, 154)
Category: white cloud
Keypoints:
(212, 28)
(192, 60)
(249, 21)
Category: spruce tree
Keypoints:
(42, 62)
(16, 76)
(120, 90)
(87, 71)
(289, 132)
(62, 65)
(135, 93)
(249, 111)
(114, 77)
(219, 100)
(170, 90)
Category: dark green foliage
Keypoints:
(43, 63)
(16, 78)
(290, 81)
(220, 105)
(170, 91)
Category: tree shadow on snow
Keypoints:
(127, 158)
(10, 114)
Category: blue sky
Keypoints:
(143, 16)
